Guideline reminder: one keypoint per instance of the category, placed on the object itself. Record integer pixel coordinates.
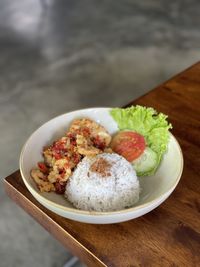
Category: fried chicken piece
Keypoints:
(85, 146)
(48, 157)
(61, 171)
(89, 128)
(41, 181)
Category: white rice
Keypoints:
(88, 190)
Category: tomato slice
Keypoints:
(128, 144)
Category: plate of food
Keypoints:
(102, 165)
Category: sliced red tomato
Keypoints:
(128, 144)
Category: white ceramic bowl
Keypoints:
(155, 189)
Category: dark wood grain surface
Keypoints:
(167, 236)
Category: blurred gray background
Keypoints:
(61, 55)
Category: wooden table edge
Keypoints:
(12, 192)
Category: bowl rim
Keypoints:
(96, 213)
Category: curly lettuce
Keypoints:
(147, 122)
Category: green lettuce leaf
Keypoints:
(146, 121)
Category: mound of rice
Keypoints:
(110, 186)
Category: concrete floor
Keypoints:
(57, 56)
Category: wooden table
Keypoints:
(167, 236)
